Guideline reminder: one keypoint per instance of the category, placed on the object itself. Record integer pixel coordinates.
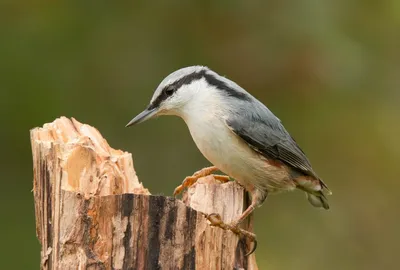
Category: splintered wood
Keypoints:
(93, 213)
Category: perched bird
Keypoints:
(239, 135)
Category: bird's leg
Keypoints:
(244, 215)
(258, 198)
(190, 180)
(215, 220)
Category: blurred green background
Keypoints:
(329, 69)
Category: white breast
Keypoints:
(224, 149)
(216, 142)
(234, 157)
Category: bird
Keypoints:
(239, 135)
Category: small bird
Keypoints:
(239, 135)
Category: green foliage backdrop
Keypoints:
(329, 69)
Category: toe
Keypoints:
(178, 190)
(221, 178)
(215, 219)
(254, 242)
(187, 182)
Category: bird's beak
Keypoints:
(143, 116)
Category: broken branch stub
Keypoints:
(93, 213)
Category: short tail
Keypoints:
(318, 199)
(315, 190)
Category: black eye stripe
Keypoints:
(176, 85)
(222, 86)
(169, 90)
(188, 79)
(211, 80)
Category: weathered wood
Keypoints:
(93, 213)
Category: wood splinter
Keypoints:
(93, 213)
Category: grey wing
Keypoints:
(267, 136)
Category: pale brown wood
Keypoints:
(93, 213)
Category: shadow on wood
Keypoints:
(93, 213)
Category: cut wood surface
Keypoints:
(93, 213)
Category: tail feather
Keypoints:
(315, 190)
(318, 199)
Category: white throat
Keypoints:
(202, 102)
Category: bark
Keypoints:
(93, 213)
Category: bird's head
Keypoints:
(187, 89)
(173, 93)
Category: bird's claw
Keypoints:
(216, 221)
(190, 180)
(187, 182)
(221, 178)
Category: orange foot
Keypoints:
(190, 180)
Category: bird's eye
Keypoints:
(169, 91)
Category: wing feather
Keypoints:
(270, 138)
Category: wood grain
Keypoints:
(93, 213)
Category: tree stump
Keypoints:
(93, 213)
